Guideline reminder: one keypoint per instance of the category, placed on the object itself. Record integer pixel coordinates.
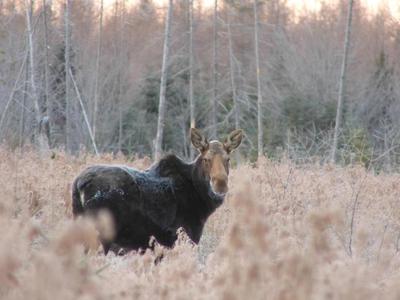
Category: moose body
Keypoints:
(171, 194)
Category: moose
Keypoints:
(171, 194)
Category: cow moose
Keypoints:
(171, 194)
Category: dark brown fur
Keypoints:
(156, 202)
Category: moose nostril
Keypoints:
(220, 182)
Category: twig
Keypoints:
(383, 238)
(83, 111)
(98, 271)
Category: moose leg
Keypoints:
(159, 258)
(194, 232)
(120, 251)
(106, 247)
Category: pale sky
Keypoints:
(306, 5)
(373, 6)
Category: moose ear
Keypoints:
(233, 140)
(199, 141)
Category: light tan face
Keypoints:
(215, 158)
(216, 164)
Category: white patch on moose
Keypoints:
(82, 197)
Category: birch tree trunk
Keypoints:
(85, 116)
(232, 74)
(42, 140)
(96, 78)
(67, 83)
(233, 81)
(46, 57)
(122, 55)
(260, 144)
(214, 129)
(22, 116)
(163, 85)
(191, 71)
(342, 82)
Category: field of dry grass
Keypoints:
(284, 232)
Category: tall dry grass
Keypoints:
(284, 232)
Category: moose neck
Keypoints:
(202, 185)
(192, 172)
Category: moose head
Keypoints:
(214, 157)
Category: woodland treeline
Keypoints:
(74, 65)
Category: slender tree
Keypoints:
(163, 85)
(342, 82)
(46, 55)
(191, 71)
(232, 78)
(232, 73)
(96, 78)
(22, 114)
(121, 44)
(85, 116)
(67, 79)
(41, 138)
(215, 73)
(260, 145)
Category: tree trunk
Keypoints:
(46, 57)
(67, 83)
(122, 56)
(46, 73)
(342, 82)
(22, 117)
(232, 74)
(96, 78)
(233, 81)
(260, 144)
(191, 72)
(42, 140)
(85, 117)
(163, 85)
(214, 100)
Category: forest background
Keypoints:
(214, 79)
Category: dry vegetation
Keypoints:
(285, 232)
